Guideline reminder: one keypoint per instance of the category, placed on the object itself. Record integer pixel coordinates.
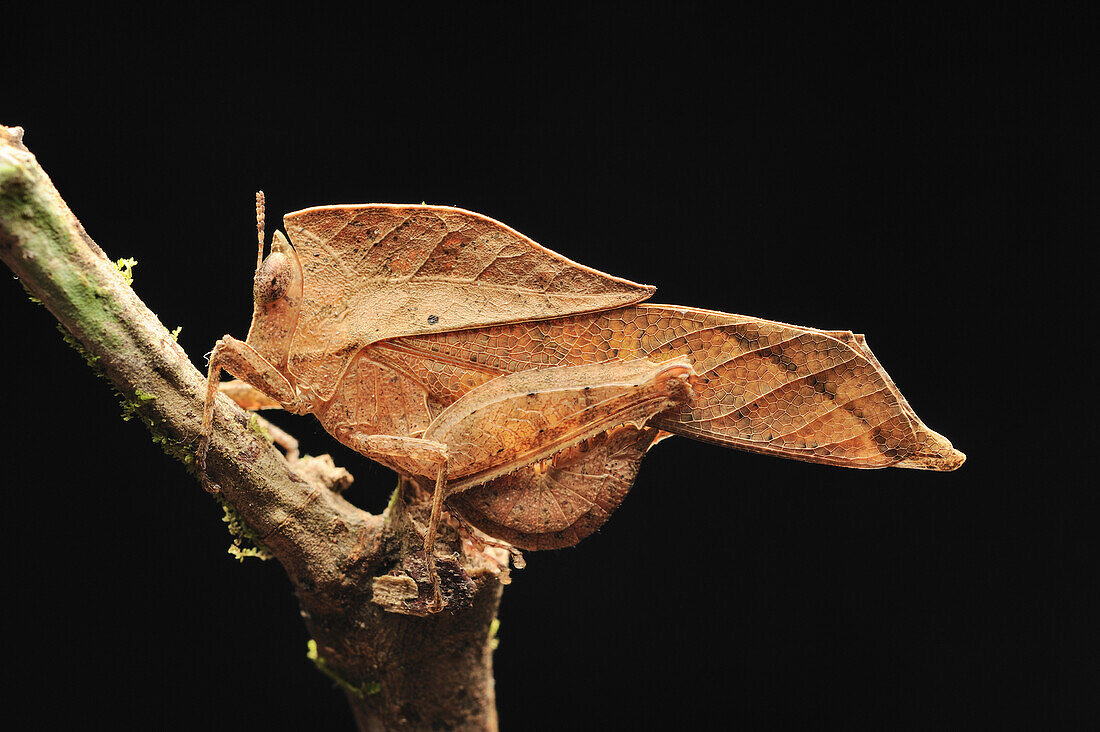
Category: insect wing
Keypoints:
(380, 271)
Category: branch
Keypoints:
(396, 668)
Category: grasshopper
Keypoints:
(448, 346)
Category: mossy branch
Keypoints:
(60, 265)
(387, 659)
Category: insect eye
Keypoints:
(272, 279)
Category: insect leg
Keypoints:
(414, 456)
(240, 360)
(522, 419)
(249, 397)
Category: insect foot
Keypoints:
(412, 586)
(409, 589)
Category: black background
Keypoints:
(885, 173)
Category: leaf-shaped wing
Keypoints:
(761, 386)
(379, 271)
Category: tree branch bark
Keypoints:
(360, 583)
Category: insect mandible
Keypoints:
(445, 345)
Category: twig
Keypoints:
(396, 668)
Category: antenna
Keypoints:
(259, 228)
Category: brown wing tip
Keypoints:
(937, 453)
(943, 462)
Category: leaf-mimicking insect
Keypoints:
(443, 344)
